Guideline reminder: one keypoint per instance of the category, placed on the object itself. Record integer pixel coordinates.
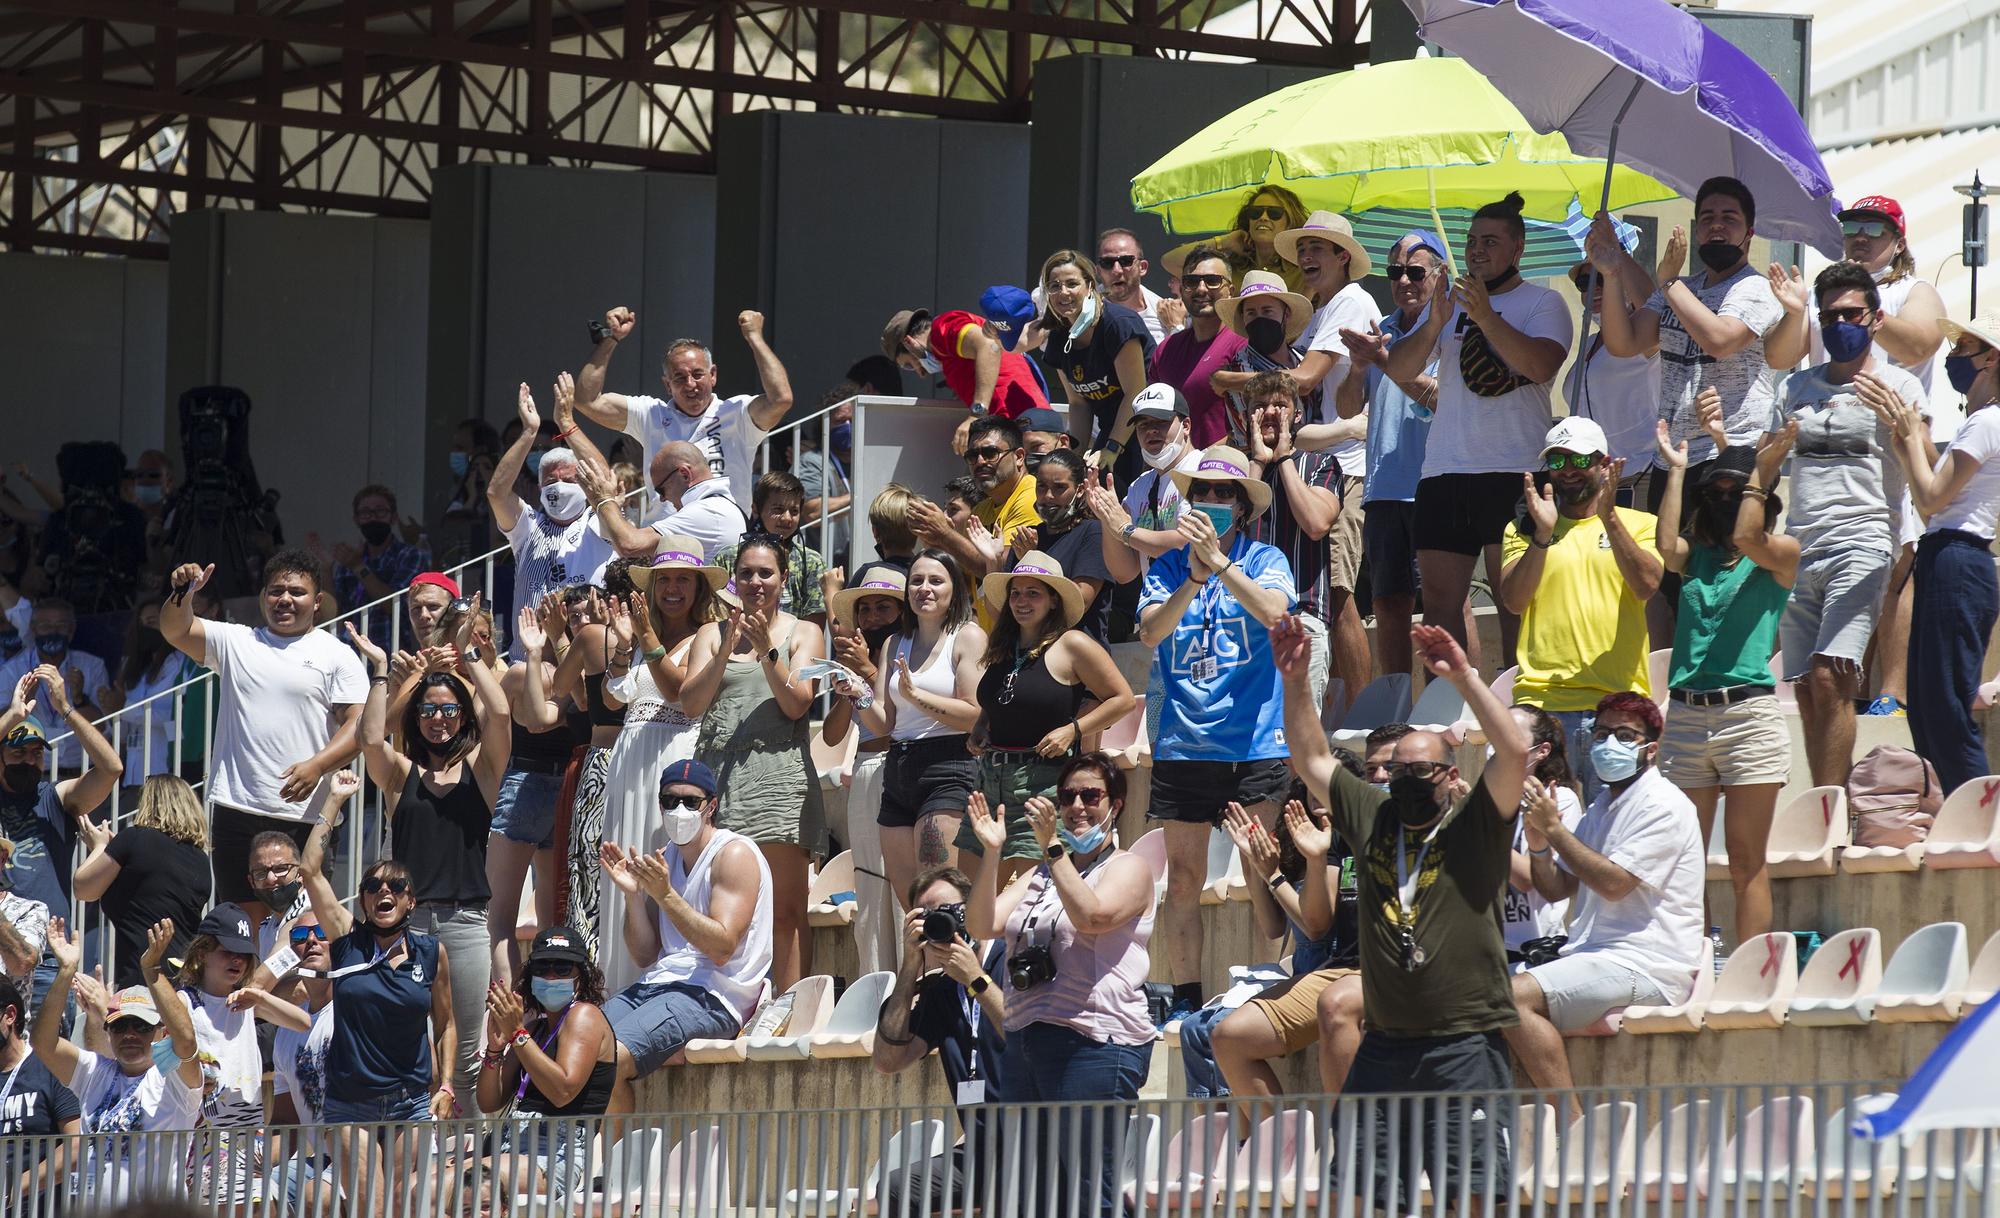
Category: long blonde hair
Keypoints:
(168, 804)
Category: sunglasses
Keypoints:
(1108, 261)
(302, 935)
(1266, 213)
(1212, 492)
(1091, 796)
(681, 803)
(431, 710)
(1626, 735)
(553, 969)
(1415, 769)
(985, 452)
(128, 1027)
(1866, 228)
(1397, 271)
(375, 884)
(277, 873)
(1852, 313)
(1204, 281)
(1557, 462)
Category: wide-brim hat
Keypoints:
(876, 579)
(678, 552)
(1221, 463)
(1327, 226)
(1985, 329)
(1035, 564)
(1258, 285)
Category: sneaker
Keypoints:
(1885, 705)
(1181, 1009)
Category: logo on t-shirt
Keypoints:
(1199, 655)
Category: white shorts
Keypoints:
(1582, 989)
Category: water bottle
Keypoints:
(1715, 939)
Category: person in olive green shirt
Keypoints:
(1432, 877)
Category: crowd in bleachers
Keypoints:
(628, 736)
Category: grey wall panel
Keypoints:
(81, 342)
(400, 318)
(679, 272)
(982, 176)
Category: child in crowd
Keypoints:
(777, 505)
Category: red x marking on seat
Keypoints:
(1992, 785)
(1854, 949)
(1777, 944)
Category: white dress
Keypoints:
(655, 734)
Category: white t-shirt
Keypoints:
(69, 754)
(115, 1102)
(236, 1076)
(1351, 308)
(725, 431)
(1153, 501)
(1473, 434)
(1976, 507)
(298, 1067)
(548, 556)
(1525, 915)
(278, 699)
(1623, 395)
(1747, 386)
(709, 513)
(1650, 831)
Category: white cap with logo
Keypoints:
(1576, 435)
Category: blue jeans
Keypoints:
(1576, 738)
(1049, 1062)
(411, 1105)
(525, 811)
(1951, 615)
(1204, 1077)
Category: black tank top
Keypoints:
(602, 714)
(441, 838)
(1037, 703)
(591, 1101)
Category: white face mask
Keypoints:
(563, 501)
(682, 825)
(1169, 453)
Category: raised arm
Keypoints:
(1931, 489)
(1125, 891)
(1312, 760)
(500, 497)
(712, 645)
(1672, 548)
(1790, 340)
(489, 709)
(1718, 336)
(605, 409)
(1777, 553)
(601, 489)
(1254, 845)
(641, 928)
(388, 768)
(1551, 881)
(1443, 658)
(767, 409)
(81, 795)
(178, 624)
(1538, 359)
(987, 908)
(1520, 578)
(174, 1014)
(1411, 354)
(57, 1052)
(1912, 335)
(1636, 562)
(332, 915)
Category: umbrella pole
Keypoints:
(1603, 205)
(1450, 266)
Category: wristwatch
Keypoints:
(771, 656)
(978, 408)
(599, 331)
(1125, 534)
(1056, 850)
(978, 987)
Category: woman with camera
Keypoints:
(1076, 929)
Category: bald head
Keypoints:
(677, 466)
(1422, 746)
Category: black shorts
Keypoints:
(1465, 513)
(1477, 1128)
(230, 832)
(1389, 540)
(1197, 792)
(920, 777)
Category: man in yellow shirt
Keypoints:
(1579, 570)
(998, 462)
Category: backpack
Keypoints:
(1894, 796)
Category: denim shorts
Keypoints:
(922, 777)
(526, 809)
(411, 1105)
(654, 1021)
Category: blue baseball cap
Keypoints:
(1425, 239)
(28, 731)
(1009, 309)
(692, 773)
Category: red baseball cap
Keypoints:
(1876, 205)
(437, 579)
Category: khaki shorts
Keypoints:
(1293, 1006)
(1729, 746)
(1344, 539)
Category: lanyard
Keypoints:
(1407, 877)
(11, 1076)
(521, 1092)
(381, 954)
(972, 1016)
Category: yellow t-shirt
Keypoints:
(1584, 634)
(1002, 517)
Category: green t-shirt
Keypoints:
(1728, 622)
(1462, 986)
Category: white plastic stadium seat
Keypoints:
(812, 1008)
(1673, 1151)
(1808, 834)
(804, 1007)
(1537, 1152)
(1152, 846)
(1386, 699)
(1439, 707)
(1756, 984)
(1125, 741)
(832, 901)
(1141, 1158)
(1839, 980)
(1679, 1017)
(850, 1030)
(1717, 845)
(695, 1181)
(1925, 980)
(915, 1142)
(1851, 1166)
(1984, 978)
(1197, 1151)
(1967, 830)
(1600, 1154)
(1503, 685)
(1759, 1159)
(1225, 871)
(835, 763)
(1660, 667)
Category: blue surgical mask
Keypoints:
(841, 436)
(1961, 372)
(1221, 515)
(148, 494)
(534, 463)
(460, 462)
(1615, 760)
(164, 1057)
(551, 994)
(929, 362)
(1086, 843)
(1086, 317)
(51, 645)
(1845, 340)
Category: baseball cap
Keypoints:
(231, 928)
(1876, 205)
(1577, 435)
(559, 943)
(1159, 400)
(900, 324)
(437, 579)
(692, 773)
(28, 731)
(1425, 239)
(133, 1002)
(1009, 309)
(1040, 418)
(1738, 461)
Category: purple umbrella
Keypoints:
(1688, 104)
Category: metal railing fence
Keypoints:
(1724, 1152)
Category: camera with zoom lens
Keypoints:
(1029, 967)
(945, 925)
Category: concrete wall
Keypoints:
(84, 343)
(321, 320)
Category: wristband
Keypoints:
(378, 680)
(519, 1038)
(1545, 850)
(567, 431)
(655, 652)
(1274, 879)
(1542, 545)
(446, 1088)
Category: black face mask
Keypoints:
(375, 532)
(281, 897)
(1415, 798)
(875, 636)
(21, 778)
(1719, 255)
(1266, 335)
(1502, 279)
